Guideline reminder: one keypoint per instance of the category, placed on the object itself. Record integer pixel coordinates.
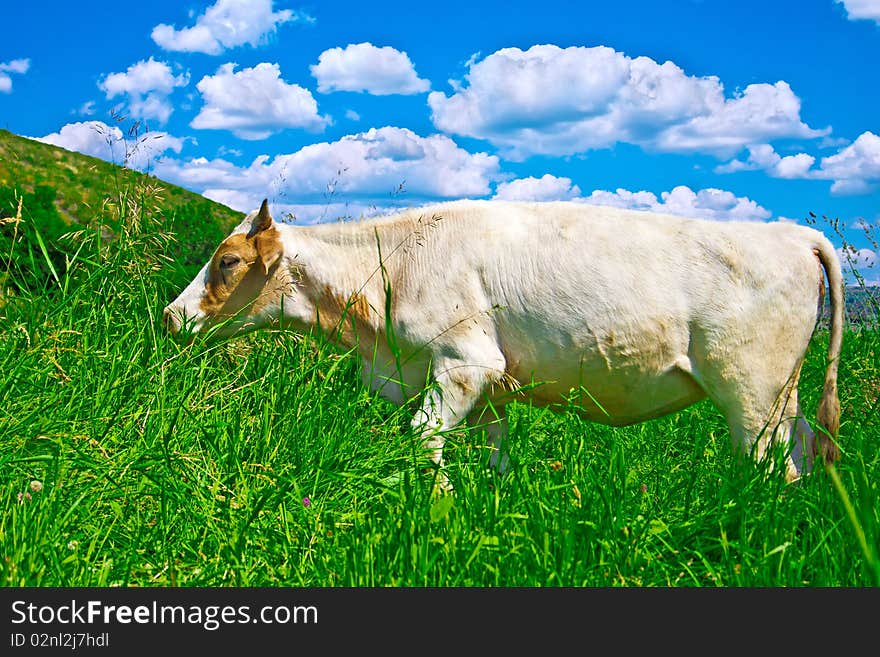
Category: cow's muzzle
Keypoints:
(171, 320)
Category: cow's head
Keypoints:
(243, 285)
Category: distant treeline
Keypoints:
(862, 306)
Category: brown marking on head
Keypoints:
(234, 280)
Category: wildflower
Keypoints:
(644, 488)
(36, 486)
(307, 502)
(556, 466)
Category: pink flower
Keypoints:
(307, 502)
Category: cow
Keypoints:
(630, 315)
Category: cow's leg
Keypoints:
(763, 412)
(803, 445)
(494, 421)
(458, 384)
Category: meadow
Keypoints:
(129, 458)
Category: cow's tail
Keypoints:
(828, 413)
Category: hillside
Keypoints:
(83, 182)
(63, 191)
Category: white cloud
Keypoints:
(226, 150)
(97, 139)
(764, 157)
(94, 138)
(867, 9)
(362, 169)
(865, 226)
(545, 188)
(351, 115)
(864, 262)
(147, 85)
(858, 258)
(86, 109)
(255, 102)
(554, 101)
(854, 169)
(18, 66)
(794, 166)
(367, 68)
(682, 201)
(235, 199)
(226, 24)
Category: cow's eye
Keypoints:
(229, 260)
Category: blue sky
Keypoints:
(728, 110)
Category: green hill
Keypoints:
(83, 183)
(62, 191)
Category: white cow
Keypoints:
(631, 315)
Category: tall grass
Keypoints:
(127, 458)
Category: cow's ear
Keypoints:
(269, 248)
(263, 220)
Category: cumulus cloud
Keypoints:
(367, 68)
(255, 102)
(863, 262)
(858, 258)
(18, 66)
(97, 139)
(364, 169)
(764, 157)
(862, 9)
(146, 85)
(545, 188)
(854, 169)
(86, 109)
(862, 224)
(226, 24)
(682, 201)
(561, 101)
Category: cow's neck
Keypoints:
(343, 277)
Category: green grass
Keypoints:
(163, 464)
